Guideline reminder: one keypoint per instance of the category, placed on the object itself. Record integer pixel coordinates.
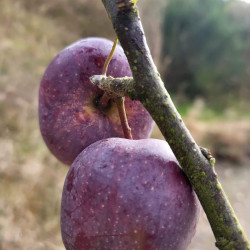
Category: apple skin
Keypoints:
(68, 114)
(128, 194)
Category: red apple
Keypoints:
(128, 194)
(69, 115)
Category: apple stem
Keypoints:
(106, 64)
(105, 98)
(119, 101)
(123, 117)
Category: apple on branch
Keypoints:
(71, 116)
(128, 194)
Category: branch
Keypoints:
(114, 87)
(149, 89)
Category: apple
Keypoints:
(70, 116)
(128, 194)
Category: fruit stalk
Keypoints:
(106, 64)
(105, 98)
(119, 100)
(123, 117)
(149, 89)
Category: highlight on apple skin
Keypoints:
(128, 194)
(69, 115)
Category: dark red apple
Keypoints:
(69, 116)
(127, 194)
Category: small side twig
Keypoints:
(114, 87)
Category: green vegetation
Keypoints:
(203, 51)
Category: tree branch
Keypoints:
(149, 89)
(115, 87)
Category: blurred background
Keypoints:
(202, 49)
